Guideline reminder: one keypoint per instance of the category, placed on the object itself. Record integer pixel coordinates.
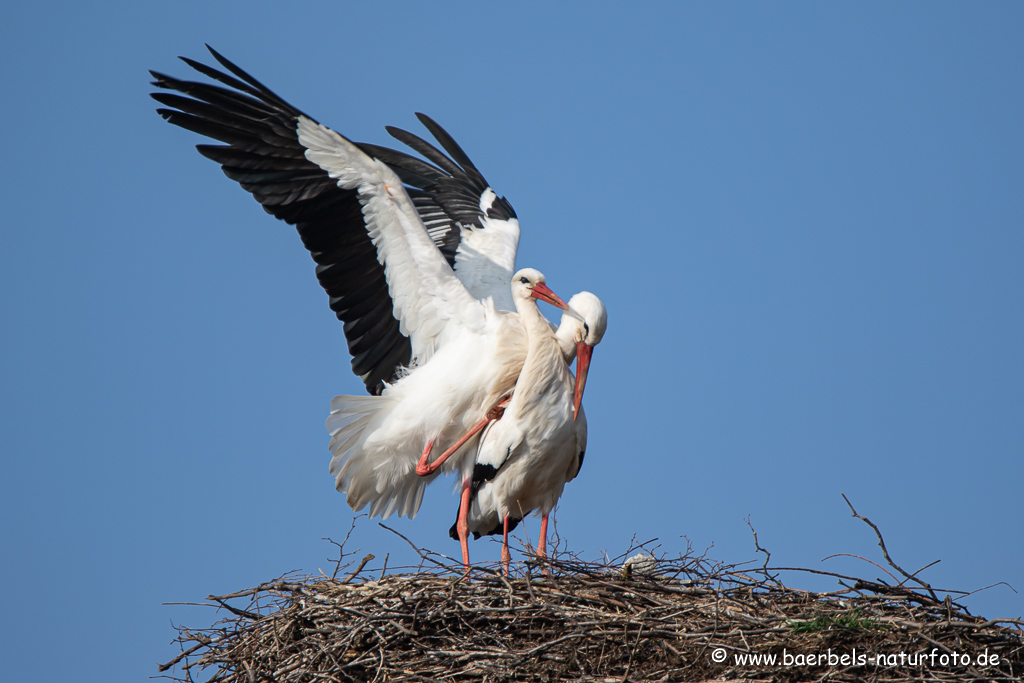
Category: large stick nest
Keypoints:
(681, 619)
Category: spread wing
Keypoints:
(394, 291)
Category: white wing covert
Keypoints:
(426, 293)
(476, 230)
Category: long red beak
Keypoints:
(584, 352)
(544, 293)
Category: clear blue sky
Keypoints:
(807, 221)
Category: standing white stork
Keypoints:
(525, 459)
(413, 271)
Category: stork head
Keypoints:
(588, 318)
(530, 283)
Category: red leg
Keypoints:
(462, 525)
(424, 468)
(505, 556)
(542, 544)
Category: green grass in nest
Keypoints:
(852, 621)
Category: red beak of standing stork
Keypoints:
(591, 320)
(584, 352)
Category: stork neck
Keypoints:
(544, 370)
(565, 335)
(533, 320)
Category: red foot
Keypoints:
(424, 468)
(498, 411)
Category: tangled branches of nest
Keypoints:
(563, 619)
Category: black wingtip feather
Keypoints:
(450, 146)
(247, 83)
(264, 155)
(426, 149)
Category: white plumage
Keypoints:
(376, 441)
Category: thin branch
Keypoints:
(425, 555)
(829, 557)
(885, 551)
(358, 569)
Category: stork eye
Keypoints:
(586, 330)
(525, 280)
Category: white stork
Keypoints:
(525, 460)
(416, 257)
